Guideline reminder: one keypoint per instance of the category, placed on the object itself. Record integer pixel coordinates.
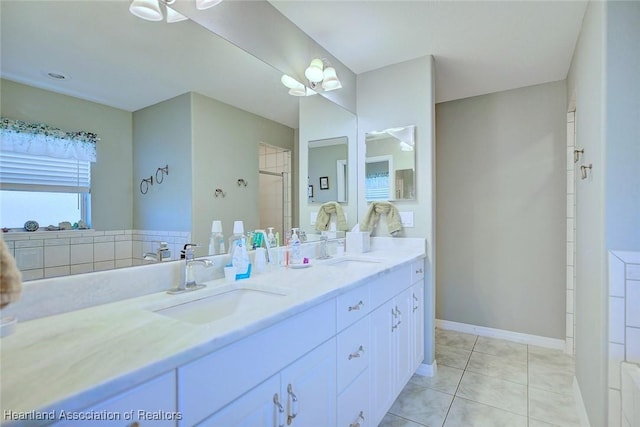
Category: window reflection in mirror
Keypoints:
(328, 170)
(390, 164)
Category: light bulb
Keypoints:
(314, 71)
(149, 10)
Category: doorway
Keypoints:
(275, 187)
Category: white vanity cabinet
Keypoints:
(417, 313)
(150, 404)
(302, 394)
(394, 356)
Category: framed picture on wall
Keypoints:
(310, 190)
(324, 182)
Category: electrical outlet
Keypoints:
(407, 219)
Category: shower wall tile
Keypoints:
(616, 320)
(82, 253)
(103, 251)
(63, 270)
(29, 258)
(82, 268)
(633, 303)
(55, 256)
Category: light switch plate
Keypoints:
(407, 219)
(312, 218)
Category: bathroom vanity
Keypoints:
(329, 344)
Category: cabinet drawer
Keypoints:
(152, 403)
(385, 287)
(352, 306)
(353, 352)
(353, 403)
(417, 270)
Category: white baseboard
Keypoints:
(582, 410)
(425, 370)
(540, 341)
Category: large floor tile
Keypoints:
(503, 348)
(555, 358)
(423, 406)
(510, 368)
(391, 420)
(455, 339)
(465, 413)
(452, 357)
(446, 380)
(495, 392)
(558, 409)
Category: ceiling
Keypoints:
(479, 46)
(119, 60)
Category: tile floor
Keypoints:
(487, 382)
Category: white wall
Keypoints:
(585, 82)
(399, 95)
(501, 210)
(111, 182)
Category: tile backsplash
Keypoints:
(44, 254)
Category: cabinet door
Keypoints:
(403, 340)
(381, 362)
(150, 404)
(260, 407)
(309, 388)
(417, 323)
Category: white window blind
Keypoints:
(28, 172)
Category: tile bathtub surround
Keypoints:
(45, 254)
(488, 382)
(624, 324)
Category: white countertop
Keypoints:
(76, 359)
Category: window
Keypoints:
(45, 174)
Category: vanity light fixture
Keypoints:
(150, 10)
(318, 76)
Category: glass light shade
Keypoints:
(290, 82)
(314, 71)
(148, 10)
(173, 16)
(330, 80)
(206, 4)
(298, 91)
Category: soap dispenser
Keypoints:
(271, 238)
(238, 234)
(296, 255)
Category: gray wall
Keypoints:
(603, 83)
(162, 135)
(224, 149)
(501, 210)
(111, 182)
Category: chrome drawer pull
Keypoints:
(294, 405)
(357, 353)
(415, 298)
(280, 409)
(358, 306)
(419, 271)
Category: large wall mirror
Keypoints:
(390, 164)
(166, 60)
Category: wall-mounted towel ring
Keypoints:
(163, 171)
(576, 155)
(145, 183)
(585, 171)
(219, 193)
(242, 182)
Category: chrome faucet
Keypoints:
(189, 276)
(162, 254)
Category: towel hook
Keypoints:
(220, 193)
(585, 170)
(242, 182)
(163, 171)
(576, 154)
(145, 183)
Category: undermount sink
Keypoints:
(229, 303)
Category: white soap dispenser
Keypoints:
(271, 238)
(216, 241)
(238, 233)
(296, 255)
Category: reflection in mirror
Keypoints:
(390, 164)
(328, 159)
(147, 90)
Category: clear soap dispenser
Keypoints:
(271, 238)
(216, 241)
(296, 255)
